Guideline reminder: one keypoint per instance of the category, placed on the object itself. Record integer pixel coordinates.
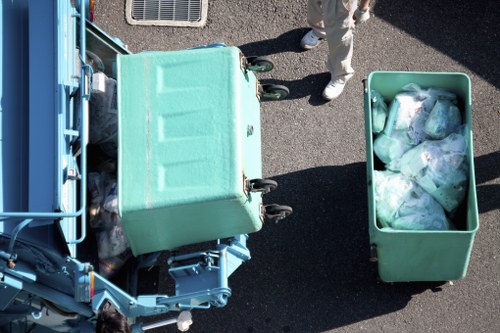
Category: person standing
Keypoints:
(334, 20)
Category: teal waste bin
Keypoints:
(189, 141)
(404, 255)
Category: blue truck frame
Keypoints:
(44, 92)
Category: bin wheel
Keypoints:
(263, 185)
(273, 92)
(259, 64)
(276, 212)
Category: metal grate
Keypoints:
(167, 12)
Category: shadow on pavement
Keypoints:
(311, 85)
(311, 272)
(466, 31)
(487, 168)
(286, 42)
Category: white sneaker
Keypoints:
(333, 89)
(310, 40)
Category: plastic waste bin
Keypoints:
(404, 255)
(189, 142)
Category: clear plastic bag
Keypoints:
(411, 108)
(404, 205)
(402, 111)
(429, 96)
(379, 112)
(389, 148)
(440, 167)
(444, 119)
(399, 135)
(421, 212)
(391, 191)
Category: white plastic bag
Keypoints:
(421, 212)
(402, 204)
(439, 167)
(411, 108)
(443, 120)
(388, 148)
(379, 112)
(391, 191)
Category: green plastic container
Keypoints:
(189, 138)
(421, 255)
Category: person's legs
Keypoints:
(315, 19)
(339, 27)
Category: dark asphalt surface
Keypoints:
(311, 272)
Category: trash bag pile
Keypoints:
(103, 117)
(420, 137)
(112, 244)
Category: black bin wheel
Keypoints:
(273, 92)
(259, 64)
(274, 212)
(263, 185)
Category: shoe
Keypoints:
(333, 89)
(310, 40)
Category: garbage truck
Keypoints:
(111, 161)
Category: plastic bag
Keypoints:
(441, 168)
(112, 243)
(379, 112)
(389, 148)
(429, 96)
(103, 119)
(402, 204)
(409, 121)
(402, 111)
(398, 135)
(391, 191)
(421, 212)
(410, 110)
(443, 120)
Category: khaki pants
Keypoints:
(332, 19)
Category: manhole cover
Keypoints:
(178, 13)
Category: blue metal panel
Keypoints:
(13, 106)
(42, 121)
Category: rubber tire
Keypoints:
(273, 92)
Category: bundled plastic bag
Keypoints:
(391, 191)
(379, 112)
(429, 96)
(443, 120)
(411, 108)
(112, 244)
(103, 118)
(421, 212)
(389, 148)
(399, 134)
(402, 111)
(441, 168)
(402, 204)
(409, 121)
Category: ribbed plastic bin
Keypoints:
(189, 138)
(422, 255)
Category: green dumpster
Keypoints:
(421, 255)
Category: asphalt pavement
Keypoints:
(311, 273)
